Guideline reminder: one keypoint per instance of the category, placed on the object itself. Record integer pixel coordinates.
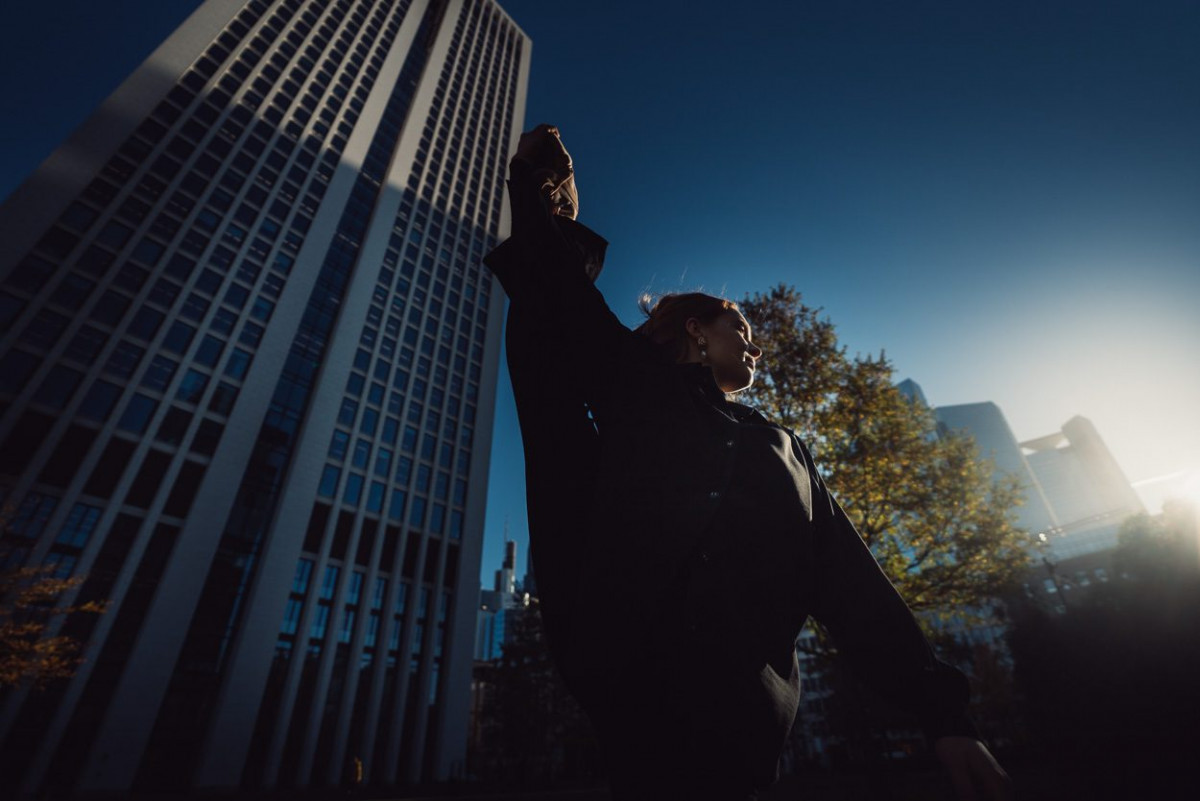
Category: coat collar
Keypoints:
(700, 376)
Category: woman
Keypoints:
(679, 538)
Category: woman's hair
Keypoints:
(666, 318)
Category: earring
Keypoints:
(703, 343)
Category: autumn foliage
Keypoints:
(30, 608)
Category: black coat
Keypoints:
(681, 540)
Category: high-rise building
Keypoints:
(496, 608)
(1075, 494)
(247, 375)
(990, 430)
(1085, 486)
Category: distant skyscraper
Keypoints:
(496, 608)
(1075, 493)
(1085, 486)
(247, 375)
(912, 390)
(987, 426)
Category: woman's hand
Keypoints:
(542, 159)
(975, 773)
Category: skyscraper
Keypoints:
(1076, 495)
(988, 427)
(1085, 486)
(496, 608)
(247, 374)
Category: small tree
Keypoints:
(29, 603)
(534, 732)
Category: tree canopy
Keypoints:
(924, 501)
(29, 603)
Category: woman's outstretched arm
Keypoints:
(879, 639)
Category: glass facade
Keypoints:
(296, 225)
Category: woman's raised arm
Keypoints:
(549, 263)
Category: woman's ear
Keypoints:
(692, 326)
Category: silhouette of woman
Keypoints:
(679, 538)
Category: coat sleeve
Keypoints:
(548, 268)
(564, 350)
(872, 627)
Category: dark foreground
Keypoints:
(1140, 777)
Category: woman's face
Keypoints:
(731, 352)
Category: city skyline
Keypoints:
(1002, 198)
(247, 381)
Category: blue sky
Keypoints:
(1003, 196)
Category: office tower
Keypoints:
(247, 378)
(1085, 486)
(1076, 496)
(990, 430)
(496, 608)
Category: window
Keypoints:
(353, 492)
(44, 329)
(223, 321)
(130, 277)
(207, 437)
(114, 235)
(375, 497)
(159, 373)
(86, 344)
(192, 386)
(99, 401)
(15, 368)
(109, 308)
(223, 398)
(146, 323)
(68, 453)
(329, 481)
(396, 507)
(72, 292)
(148, 252)
(79, 525)
(362, 453)
(146, 482)
(338, 445)
(236, 296)
(209, 282)
(31, 516)
(209, 351)
(124, 359)
(183, 492)
(109, 468)
(251, 334)
(178, 337)
(164, 292)
(58, 387)
(174, 425)
(137, 414)
(416, 515)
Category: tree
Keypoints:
(1111, 680)
(29, 604)
(1162, 549)
(533, 731)
(924, 502)
(922, 499)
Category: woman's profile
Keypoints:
(640, 464)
